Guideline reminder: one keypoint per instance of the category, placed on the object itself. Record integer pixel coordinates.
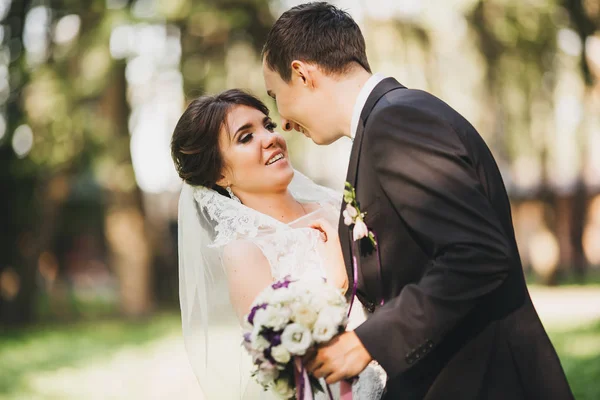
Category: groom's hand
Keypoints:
(344, 357)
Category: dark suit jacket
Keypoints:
(458, 322)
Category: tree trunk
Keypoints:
(563, 207)
(125, 225)
(578, 219)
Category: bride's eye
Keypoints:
(270, 126)
(245, 138)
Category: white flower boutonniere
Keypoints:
(354, 218)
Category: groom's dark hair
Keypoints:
(318, 33)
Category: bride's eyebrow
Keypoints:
(247, 125)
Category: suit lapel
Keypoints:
(345, 234)
(383, 87)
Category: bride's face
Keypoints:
(256, 158)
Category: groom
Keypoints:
(451, 317)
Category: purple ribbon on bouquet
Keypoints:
(303, 388)
(345, 385)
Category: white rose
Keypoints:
(327, 325)
(303, 314)
(336, 315)
(267, 373)
(263, 297)
(283, 389)
(325, 296)
(258, 342)
(360, 230)
(324, 331)
(277, 318)
(280, 354)
(282, 296)
(337, 299)
(260, 317)
(296, 338)
(310, 291)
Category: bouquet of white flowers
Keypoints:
(288, 318)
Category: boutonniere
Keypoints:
(354, 218)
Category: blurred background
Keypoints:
(90, 91)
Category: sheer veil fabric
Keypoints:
(208, 224)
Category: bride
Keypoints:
(246, 218)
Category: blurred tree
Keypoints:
(22, 233)
(529, 112)
(72, 96)
(522, 57)
(209, 29)
(70, 93)
(585, 18)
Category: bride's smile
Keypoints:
(255, 155)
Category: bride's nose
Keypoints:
(269, 139)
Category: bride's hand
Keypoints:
(331, 251)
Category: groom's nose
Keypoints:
(289, 125)
(286, 124)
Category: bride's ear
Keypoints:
(223, 181)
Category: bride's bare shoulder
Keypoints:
(242, 252)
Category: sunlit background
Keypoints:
(90, 91)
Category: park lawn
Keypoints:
(51, 347)
(579, 352)
(26, 352)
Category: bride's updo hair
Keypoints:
(195, 142)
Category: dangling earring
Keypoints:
(231, 195)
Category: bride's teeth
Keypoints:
(276, 158)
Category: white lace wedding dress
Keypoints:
(291, 249)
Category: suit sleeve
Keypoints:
(428, 177)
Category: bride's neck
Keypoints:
(281, 206)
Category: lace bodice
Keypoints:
(291, 249)
(295, 252)
(292, 252)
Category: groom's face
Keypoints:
(302, 107)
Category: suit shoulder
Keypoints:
(412, 99)
(420, 104)
(408, 103)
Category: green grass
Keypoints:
(567, 279)
(27, 352)
(50, 347)
(579, 352)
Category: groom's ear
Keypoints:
(303, 72)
